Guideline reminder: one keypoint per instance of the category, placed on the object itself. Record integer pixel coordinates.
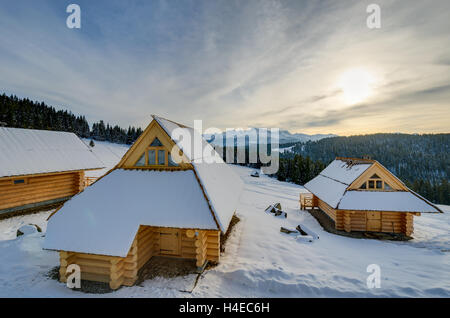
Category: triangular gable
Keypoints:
(139, 148)
(384, 174)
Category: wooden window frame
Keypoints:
(375, 180)
(25, 181)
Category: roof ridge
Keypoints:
(174, 122)
(356, 160)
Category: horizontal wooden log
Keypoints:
(95, 277)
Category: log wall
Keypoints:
(117, 271)
(39, 188)
(391, 222)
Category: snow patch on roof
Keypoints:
(328, 190)
(341, 171)
(395, 201)
(31, 151)
(223, 189)
(104, 219)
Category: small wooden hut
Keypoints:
(362, 195)
(40, 168)
(149, 204)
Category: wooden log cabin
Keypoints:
(41, 168)
(161, 199)
(362, 195)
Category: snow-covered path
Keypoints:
(261, 261)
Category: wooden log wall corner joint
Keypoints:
(201, 248)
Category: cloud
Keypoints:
(232, 64)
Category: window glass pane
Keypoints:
(156, 143)
(19, 181)
(171, 162)
(363, 186)
(375, 176)
(151, 157)
(379, 184)
(161, 157)
(371, 184)
(141, 161)
(387, 186)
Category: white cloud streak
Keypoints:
(233, 64)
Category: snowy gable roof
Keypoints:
(395, 201)
(220, 183)
(105, 218)
(30, 151)
(331, 184)
(345, 171)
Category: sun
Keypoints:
(356, 85)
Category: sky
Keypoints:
(305, 66)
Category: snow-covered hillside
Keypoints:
(259, 260)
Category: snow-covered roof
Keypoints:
(221, 185)
(343, 171)
(30, 151)
(332, 183)
(395, 201)
(326, 189)
(105, 217)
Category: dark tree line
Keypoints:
(299, 169)
(24, 113)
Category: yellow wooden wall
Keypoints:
(391, 222)
(39, 188)
(119, 271)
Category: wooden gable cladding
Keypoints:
(384, 174)
(140, 147)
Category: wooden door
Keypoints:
(170, 241)
(374, 221)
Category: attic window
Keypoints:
(161, 157)
(19, 181)
(156, 143)
(141, 161)
(375, 183)
(151, 157)
(171, 162)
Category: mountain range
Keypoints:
(284, 137)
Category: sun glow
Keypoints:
(356, 85)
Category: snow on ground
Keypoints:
(261, 261)
(9, 227)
